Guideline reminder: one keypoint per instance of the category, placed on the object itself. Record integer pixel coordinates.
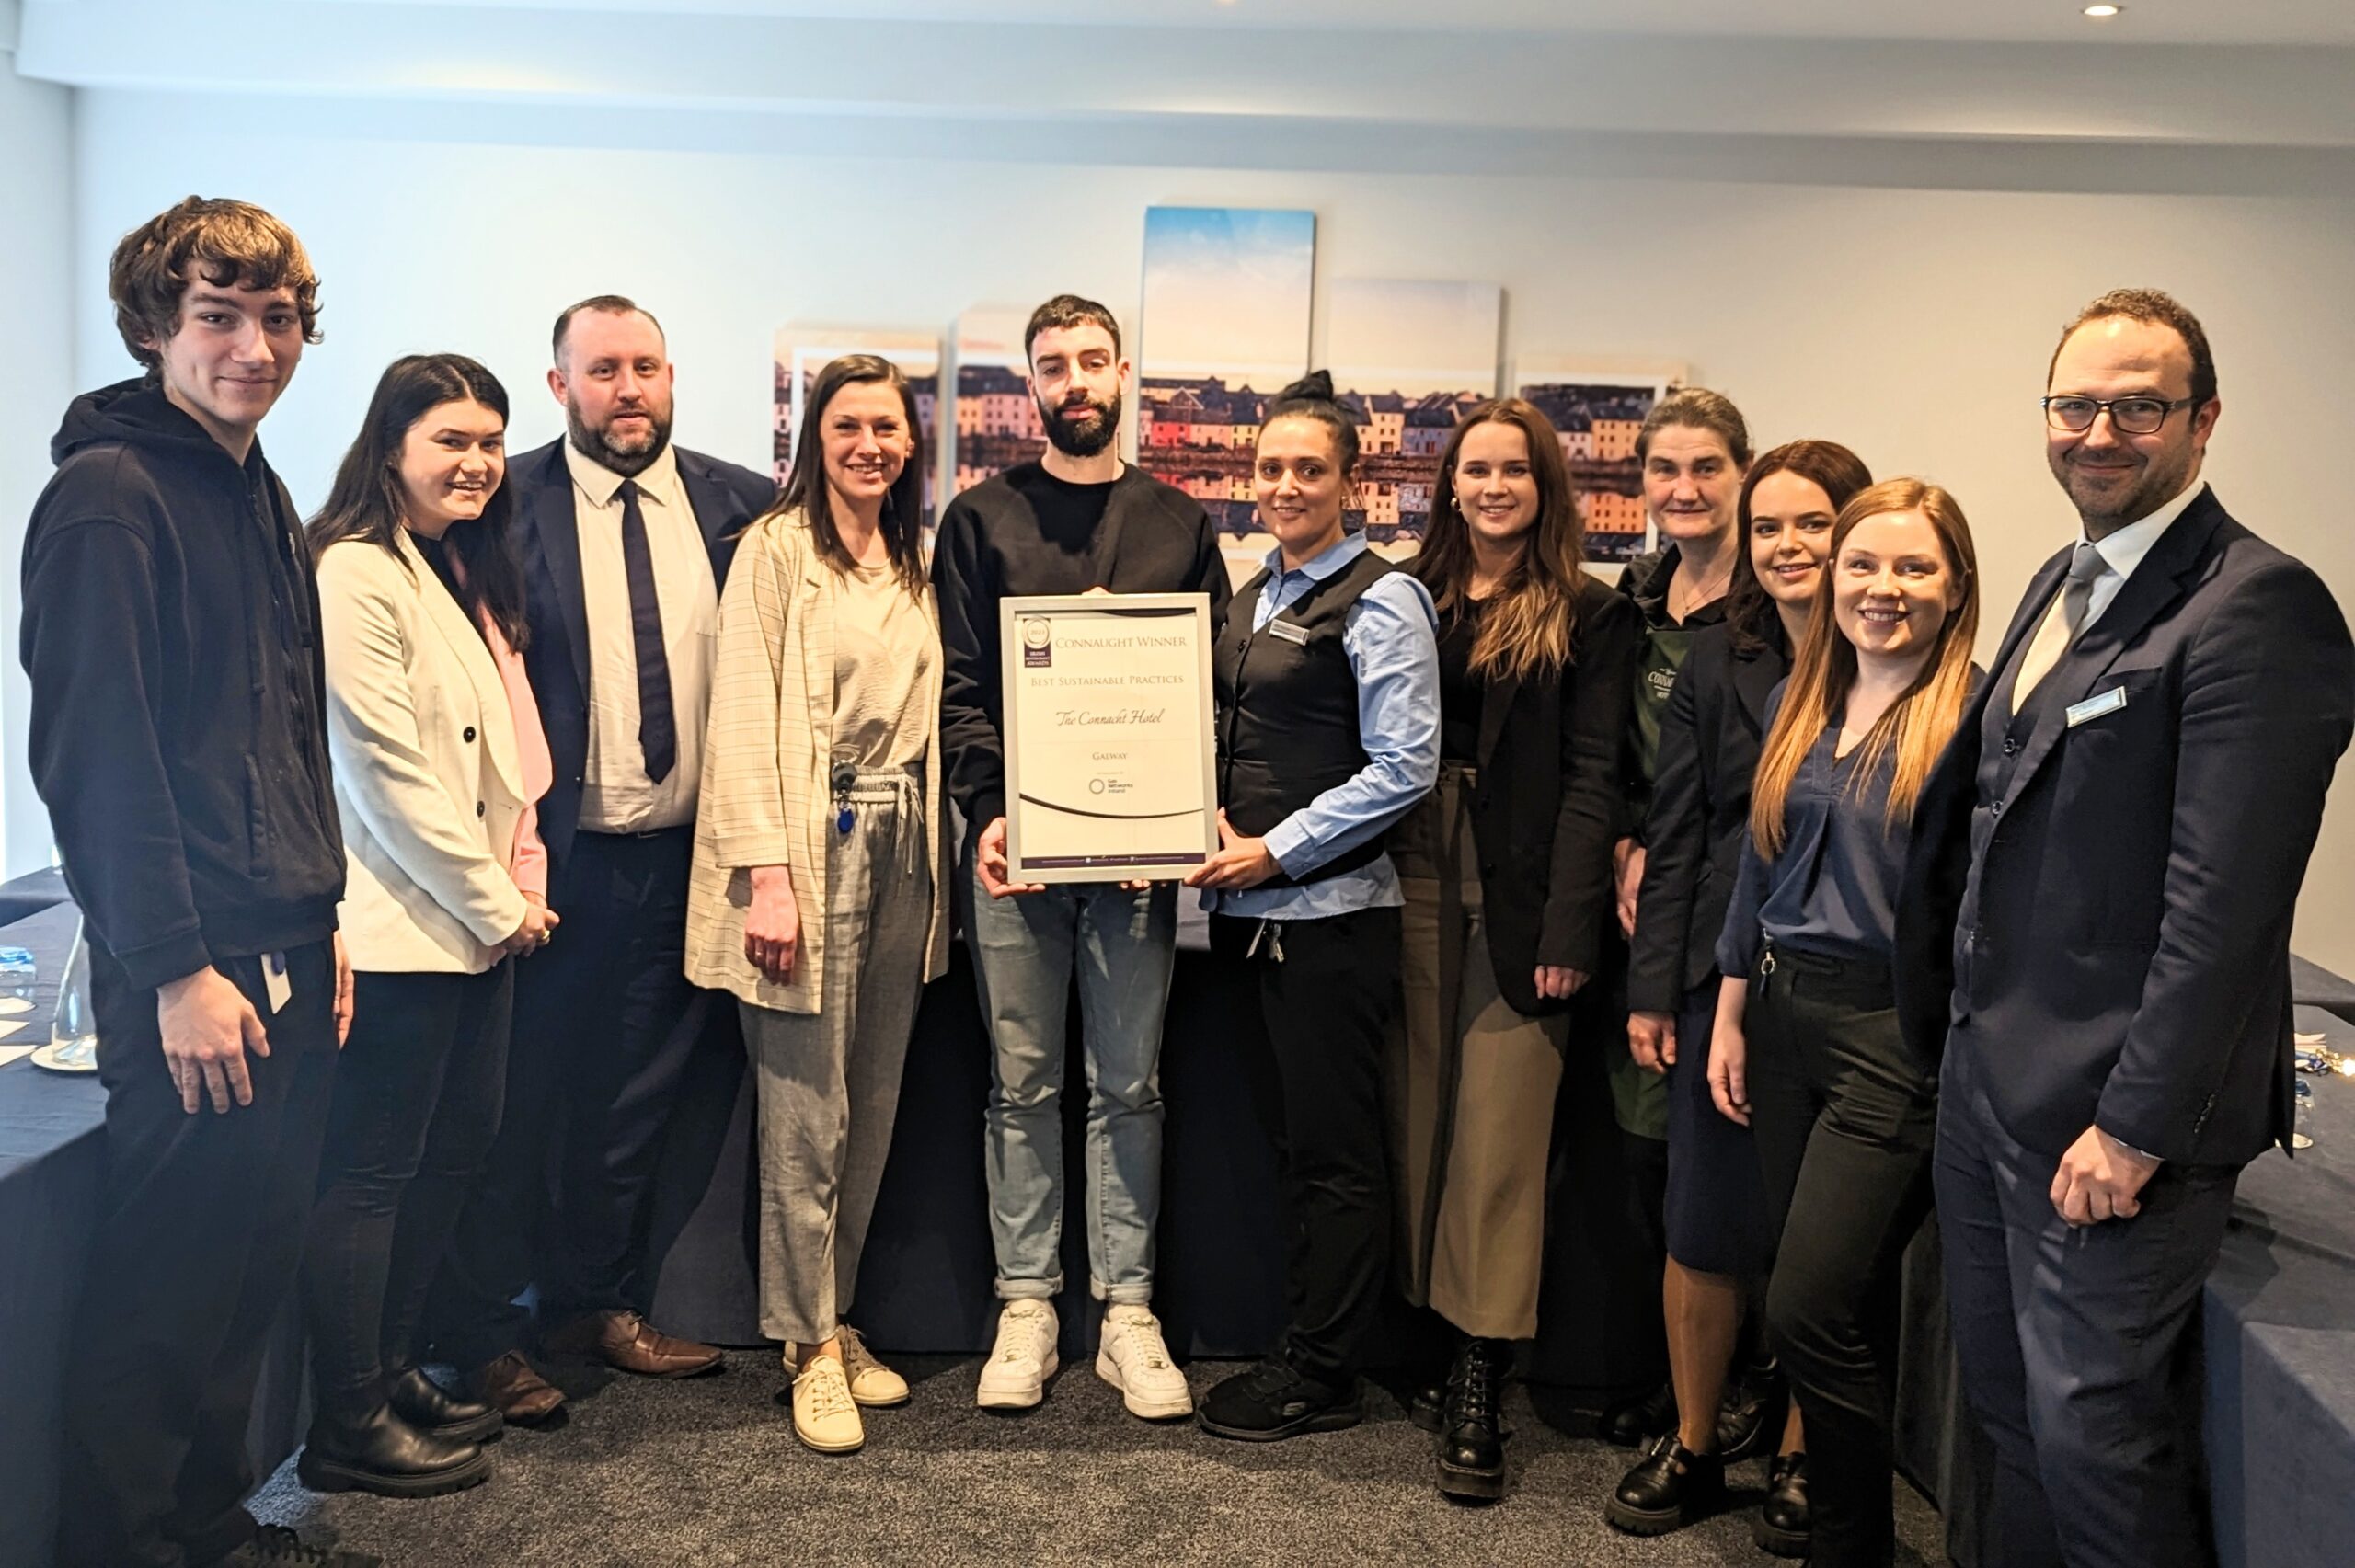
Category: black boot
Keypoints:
(375, 1450)
(1750, 1418)
(1782, 1524)
(435, 1411)
(1472, 1439)
(1671, 1487)
(1632, 1422)
(1427, 1406)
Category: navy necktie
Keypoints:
(658, 729)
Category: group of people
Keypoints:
(423, 846)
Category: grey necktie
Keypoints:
(2053, 637)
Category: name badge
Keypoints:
(2108, 702)
(1296, 635)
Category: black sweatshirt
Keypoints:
(1025, 532)
(171, 631)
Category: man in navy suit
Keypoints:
(625, 541)
(2096, 932)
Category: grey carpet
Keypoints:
(648, 1475)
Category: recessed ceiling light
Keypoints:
(2103, 12)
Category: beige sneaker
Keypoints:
(1133, 1359)
(872, 1382)
(824, 1416)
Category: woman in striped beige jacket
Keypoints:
(819, 897)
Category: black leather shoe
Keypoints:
(1633, 1423)
(434, 1410)
(1272, 1401)
(1472, 1440)
(1671, 1487)
(1782, 1524)
(1750, 1418)
(1427, 1406)
(379, 1452)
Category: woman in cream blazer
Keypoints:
(820, 892)
(438, 758)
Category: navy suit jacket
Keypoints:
(723, 496)
(2131, 963)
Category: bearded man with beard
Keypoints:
(1078, 521)
(625, 544)
(2095, 936)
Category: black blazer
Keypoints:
(1709, 741)
(1547, 801)
(2130, 965)
(724, 498)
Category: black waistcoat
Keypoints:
(1288, 707)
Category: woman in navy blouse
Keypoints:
(1807, 1049)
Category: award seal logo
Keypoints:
(1038, 642)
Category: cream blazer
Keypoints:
(428, 776)
(766, 751)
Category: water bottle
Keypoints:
(72, 1033)
(17, 978)
(2304, 1093)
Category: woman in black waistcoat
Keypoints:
(1506, 867)
(1719, 1241)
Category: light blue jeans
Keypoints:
(1025, 950)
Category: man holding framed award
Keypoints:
(1128, 674)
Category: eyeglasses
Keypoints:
(2128, 416)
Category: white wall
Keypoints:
(1911, 323)
(36, 322)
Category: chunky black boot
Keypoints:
(1750, 1418)
(435, 1411)
(1635, 1422)
(1782, 1524)
(1472, 1440)
(1427, 1407)
(375, 1450)
(1671, 1487)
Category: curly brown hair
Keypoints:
(226, 244)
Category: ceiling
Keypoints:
(2021, 21)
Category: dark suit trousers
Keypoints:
(2078, 1347)
(605, 1027)
(1844, 1125)
(1325, 1012)
(417, 1103)
(199, 1233)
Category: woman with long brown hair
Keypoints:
(1807, 1049)
(1719, 1246)
(819, 897)
(1506, 869)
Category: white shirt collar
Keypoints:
(2124, 549)
(601, 483)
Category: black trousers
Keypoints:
(1845, 1122)
(2079, 1347)
(417, 1103)
(605, 1027)
(1326, 1005)
(199, 1234)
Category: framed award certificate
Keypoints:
(1109, 753)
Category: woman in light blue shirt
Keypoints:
(1327, 681)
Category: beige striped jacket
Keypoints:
(764, 799)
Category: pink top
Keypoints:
(529, 865)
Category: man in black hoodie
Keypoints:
(170, 629)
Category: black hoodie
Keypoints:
(171, 631)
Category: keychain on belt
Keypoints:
(1272, 934)
(841, 776)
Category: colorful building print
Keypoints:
(1599, 417)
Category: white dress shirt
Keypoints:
(2124, 549)
(615, 795)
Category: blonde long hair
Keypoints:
(1921, 722)
(1531, 622)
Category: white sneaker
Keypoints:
(824, 1417)
(872, 1382)
(1133, 1359)
(1015, 1378)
